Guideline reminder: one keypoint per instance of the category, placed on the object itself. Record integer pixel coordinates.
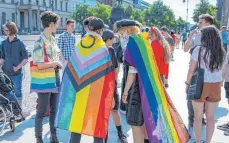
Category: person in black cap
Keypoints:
(85, 25)
(108, 38)
(92, 43)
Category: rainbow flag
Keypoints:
(87, 89)
(163, 123)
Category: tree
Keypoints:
(160, 15)
(139, 15)
(202, 8)
(129, 12)
(102, 11)
(82, 12)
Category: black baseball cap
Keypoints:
(96, 24)
(108, 34)
(127, 22)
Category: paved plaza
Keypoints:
(178, 70)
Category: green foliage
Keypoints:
(160, 15)
(82, 11)
(202, 8)
(102, 11)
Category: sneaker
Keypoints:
(122, 137)
(54, 139)
(223, 127)
(39, 140)
(166, 85)
(204, 122)
(226, 133)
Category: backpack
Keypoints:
(5, 84)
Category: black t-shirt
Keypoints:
(113, 57)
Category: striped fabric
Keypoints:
(162, 121)
(87, 90)
(42, 81)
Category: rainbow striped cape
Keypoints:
(163, 123)
(87, 89)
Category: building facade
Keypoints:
(223, 12)
(107, 2)
(90, 3)
(26, 13)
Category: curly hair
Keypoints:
(163, 42)
(214, 51)
(48, 17)
(130, 30)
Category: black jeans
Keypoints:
(76, 138)
(45, 99)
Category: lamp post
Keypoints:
(187, 1)
(38, 16)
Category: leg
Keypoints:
(146, 138)
(210, 111)
(116, 117)
(198, 115)
(17, 81)
(137, 134)
(43, 101)
(75, 138)
(53, 102)
(99, 140)
(190, 113)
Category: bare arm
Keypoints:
(224, 72)
(188, 44)
(48, 65)
(191, 71)
(129, 82)
(22, 64)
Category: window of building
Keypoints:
(13, 17)
(66, 5)
(12, 1)
(56, 4)
(3, 18)
(21, 2)
(61, 5)
(44, 2)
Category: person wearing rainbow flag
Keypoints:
(150, 112)
(87, 89)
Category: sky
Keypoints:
(180, 9)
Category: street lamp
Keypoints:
(187, 1)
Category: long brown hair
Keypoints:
(163, 42)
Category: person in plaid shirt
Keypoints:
(66, 41)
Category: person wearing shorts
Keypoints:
(108, 37)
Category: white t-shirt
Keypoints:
(209, 77)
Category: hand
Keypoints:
(124, 99)
(193, 32)
(15, 69)
(186, 89)
(57, 64)
(222, 83)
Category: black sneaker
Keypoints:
(166, 85)
(122, 137)
(226, 133)
(39, 140)
(204, 122)
(54, 139)
(223, 127)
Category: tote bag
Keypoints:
(43, 80)
(196, 85)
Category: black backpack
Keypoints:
(5, 84)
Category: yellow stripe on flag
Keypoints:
(78, 113)
(161, 93)
(43, 75)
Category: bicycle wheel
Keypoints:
(2, 119)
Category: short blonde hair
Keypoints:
(130, 30)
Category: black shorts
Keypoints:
(116, 98)
(226, 87)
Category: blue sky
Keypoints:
(180, 8)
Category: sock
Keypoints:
(119, 128)
(146, 140)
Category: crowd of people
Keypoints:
(80, 79)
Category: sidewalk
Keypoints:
(178, 69)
